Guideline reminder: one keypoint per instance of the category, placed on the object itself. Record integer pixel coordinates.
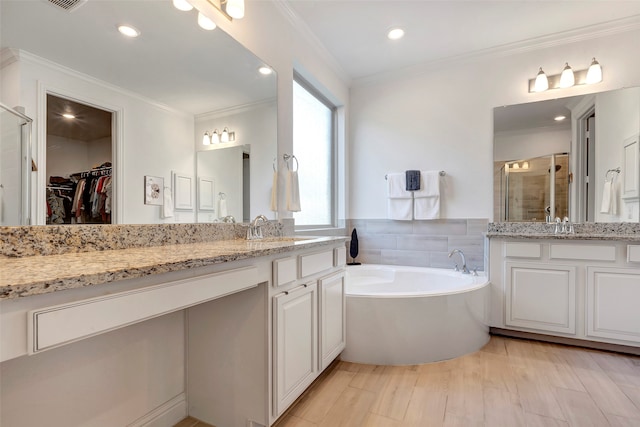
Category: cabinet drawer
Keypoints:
(56, 325)
(522, 250)
(583, 252)
(315, 263)
(633, 253)
(284, 271)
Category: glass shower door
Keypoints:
(535, 189)
(15, 167)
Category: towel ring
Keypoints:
(616, 170)
(288, 157)
(222, 195)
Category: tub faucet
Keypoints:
(465, 270)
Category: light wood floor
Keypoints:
(192, 422)
(510, 382)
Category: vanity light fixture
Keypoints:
(128, 30)
(542, 83)
(206, 139)
(395, 34)
(525, 165)
(205, 22)
(567, 78)
(183, 5)
(227, 135)
(594, 73)
(234, 8)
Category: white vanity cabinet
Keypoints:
(540, 296)
(309, 326)
(612, 298)
(582, 289)
(295, 339)
(332, 311)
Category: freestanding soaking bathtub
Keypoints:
(409, 315)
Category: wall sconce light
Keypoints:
(567, 78)
(227, 135)
(214, 137)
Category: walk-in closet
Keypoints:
(79, 163)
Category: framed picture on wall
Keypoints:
(153, 190)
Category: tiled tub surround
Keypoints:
(586, 231)
(420, 243)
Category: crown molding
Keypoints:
(8, 56)
(631, 23)
(303, 30)
(237, 109)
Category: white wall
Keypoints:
(617, 118)
(442, 118)
(66, 156)
(530, 143)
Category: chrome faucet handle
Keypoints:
(474, 272)
(455, 267)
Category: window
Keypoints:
(313, 146)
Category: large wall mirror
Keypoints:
(573, 157)
(163, 91)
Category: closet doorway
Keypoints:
(79, 163)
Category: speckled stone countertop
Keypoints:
(38, 274)
(588, 231)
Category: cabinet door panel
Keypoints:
(541, 297)
(612, 303)
(295, 348)
(332, 318)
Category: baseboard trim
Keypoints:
(618, 348)
(168, 414)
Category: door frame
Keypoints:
(117, 148)
(580, 114)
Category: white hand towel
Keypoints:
(426, 203)
(167, 204)
(274, 192)
(293, 192)
(605, 206)
(400, 201)
(222, 208)
(614, 197)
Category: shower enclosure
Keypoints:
(15, 167)
(535, 189)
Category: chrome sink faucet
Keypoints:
(465, 270)
(255, 231)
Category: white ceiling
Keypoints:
(354, 31)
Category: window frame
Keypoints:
(333, 199)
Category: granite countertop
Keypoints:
(564, 236)
(34, 275)
(585, 231)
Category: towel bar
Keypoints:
(441, 173)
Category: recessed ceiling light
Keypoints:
(265, 70)
(395, 34)
(68, 116)
(559, 118)
(128, 30)
(183, 5)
